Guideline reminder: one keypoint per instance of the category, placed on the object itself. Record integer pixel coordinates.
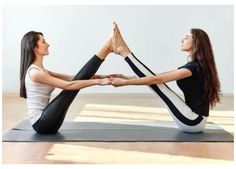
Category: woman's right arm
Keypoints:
(45, 78)
(154, 79)
(61, 76)
(122, 76)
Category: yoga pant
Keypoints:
(54, 114)
(182, 114)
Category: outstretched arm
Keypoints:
(45, 78)
(122, 76)
(71, 77)
(158, 79)
(61, 76)
(98, 76)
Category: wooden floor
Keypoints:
(116, 108)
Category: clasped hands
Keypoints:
(115, 80)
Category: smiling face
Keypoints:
(187, 43)
(42, 47)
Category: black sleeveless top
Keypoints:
(193, 90)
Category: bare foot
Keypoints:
(107, 47)
(119, 45)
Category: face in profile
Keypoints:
(42, 47)
(187, 43)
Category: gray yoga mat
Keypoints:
(97, 131)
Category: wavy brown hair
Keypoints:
(203, 54)
(28, 44)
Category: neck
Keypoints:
(189, 58)
(38, 61)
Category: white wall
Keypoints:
(75, 33)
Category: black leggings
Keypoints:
(54, 114)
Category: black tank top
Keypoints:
(193, 90)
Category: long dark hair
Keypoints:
(28, 44)
(203, 54)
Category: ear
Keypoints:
(35, 48)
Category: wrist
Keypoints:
(126, 82)
(96, 81)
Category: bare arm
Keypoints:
(158, 79)
(70, 77)
(61, 76)
(45, 78)
(122, 76)
(97, 76)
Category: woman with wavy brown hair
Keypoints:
(197, 79)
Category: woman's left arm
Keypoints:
(158, 79)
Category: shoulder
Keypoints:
(192, 66)
(36, 74)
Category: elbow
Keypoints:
(69, 86)
(158, 80)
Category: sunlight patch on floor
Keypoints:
(142, 115)
(120, 114)
(125, 108)
(86, 154)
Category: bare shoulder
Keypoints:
(37, 75)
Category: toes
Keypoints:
(115, 25)
(117, 28)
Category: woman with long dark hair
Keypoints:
(197, 79)
(37, 83)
